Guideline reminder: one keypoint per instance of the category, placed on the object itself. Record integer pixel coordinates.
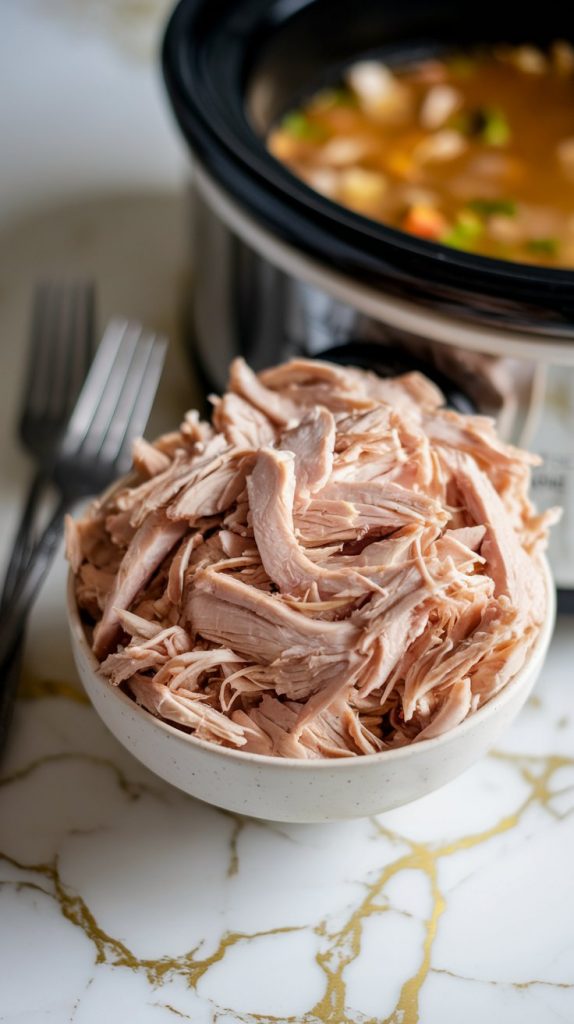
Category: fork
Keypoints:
(60, 353)
(112, 409)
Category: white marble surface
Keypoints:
(123, 900)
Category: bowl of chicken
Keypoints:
(326, 603)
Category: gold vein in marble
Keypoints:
(114, 952)
(341, 947)
(172, 1009)
(34, 687)
(345, 945)
(265, 1018)
(408, 1004)
(133, 790)
(519, 985)
(78, 1002)
(239, 824)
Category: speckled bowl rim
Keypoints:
(489, 710)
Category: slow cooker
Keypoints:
(280, 270)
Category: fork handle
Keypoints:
(9, 680)
(23, 539)
(11, 665)
(14, 617)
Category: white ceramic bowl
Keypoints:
(286, 789)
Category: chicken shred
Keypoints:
(336, 566)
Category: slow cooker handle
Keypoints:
(391, 361)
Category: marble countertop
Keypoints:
(121, 898)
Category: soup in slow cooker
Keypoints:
(475, 151)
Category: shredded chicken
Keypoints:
(336, 566)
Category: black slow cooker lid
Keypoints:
(232, 66)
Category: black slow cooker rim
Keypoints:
(231, 150)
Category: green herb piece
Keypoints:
(464, 122)
(543, 246)
(464, 233)
(336, 97)
(496, 130)
(299, 126)
(461, 66)
(488, 123)
(493, 207)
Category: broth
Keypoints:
(475, 151)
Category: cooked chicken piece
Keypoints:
(312, 443)
(151, 544)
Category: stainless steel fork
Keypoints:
(60, 351)
(112, 409)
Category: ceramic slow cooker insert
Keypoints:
(281, 270)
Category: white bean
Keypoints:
(563, 57)
(344, 150)
(381, 95)
(444, 145)
(362, 189)
(439, 103)
(371, 80)
(322, 179)
(530, 60)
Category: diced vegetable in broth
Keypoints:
(426, 222)
(491, 207)
(496, 130)
(438, 105)
(439, 146)
(562, 54)
(474, 151)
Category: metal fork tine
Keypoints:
(108, 405)
(76, 344)
(56, 364)
(135, 426)
(132, 396)
(40, 342)
(83, 351)
(95, 385)
(126, 397)
(62, 321)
